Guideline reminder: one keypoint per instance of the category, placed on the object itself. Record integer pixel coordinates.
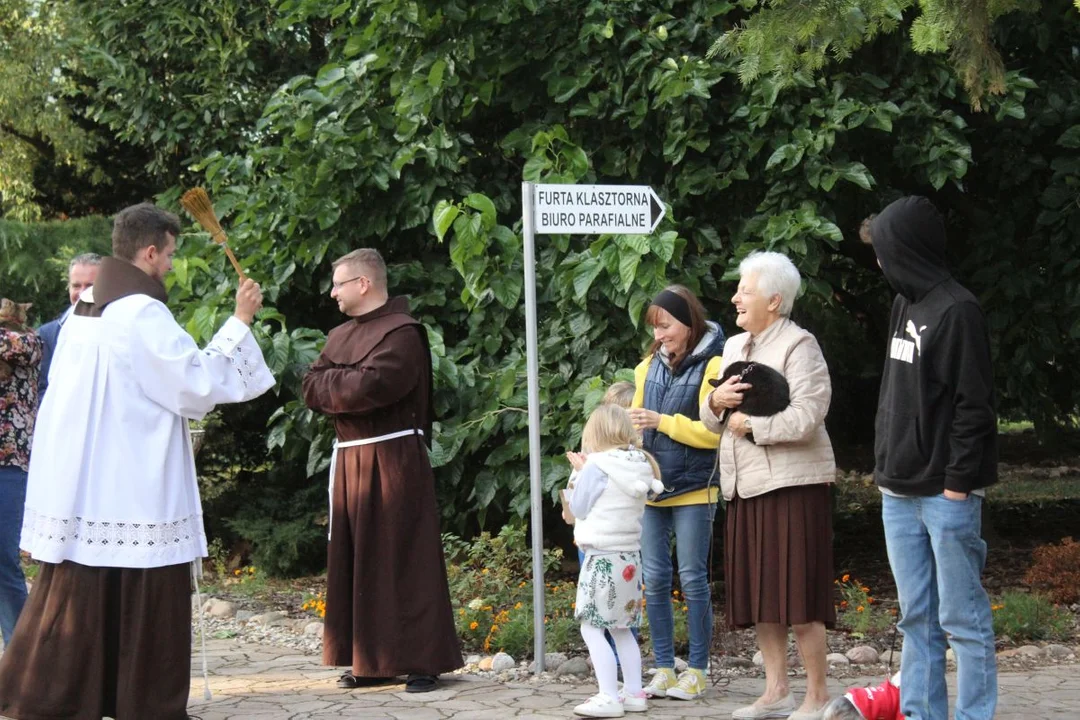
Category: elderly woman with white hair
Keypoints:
(775, 473)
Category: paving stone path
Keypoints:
(253, 682)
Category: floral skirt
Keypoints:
(609, 593)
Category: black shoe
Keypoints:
(421, 683)
(350, 681)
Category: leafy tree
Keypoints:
(423, 105)
(408, 126)
(34, 260)
(36, 126)
(785, 36)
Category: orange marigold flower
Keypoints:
(236, 572)
(845, 578)
(517, 606)
(859, 609)
(843, 603)
(473, 625)
(484, 571)
(865, 589)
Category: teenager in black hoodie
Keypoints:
(934, 453)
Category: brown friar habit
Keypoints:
(387, 601)
(97, 642)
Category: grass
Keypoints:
(1020, 487)
(1030, 616)
(1011, 427)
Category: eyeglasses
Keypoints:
(337, 285)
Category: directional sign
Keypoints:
(596, 209)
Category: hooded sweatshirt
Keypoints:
(608, 500)
(935, 427)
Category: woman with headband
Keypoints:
(670, 384)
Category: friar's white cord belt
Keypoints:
(338, 444)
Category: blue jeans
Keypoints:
(692, 526)
(937, 557)
(607, 635)
(12, 580)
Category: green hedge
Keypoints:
(34, 259)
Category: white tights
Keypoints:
(603, 659)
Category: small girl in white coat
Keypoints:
(608, 501)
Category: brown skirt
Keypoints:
(94, 642)
(778, 562)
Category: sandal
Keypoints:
(350, 681)
(421, 683)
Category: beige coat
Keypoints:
(792, 447)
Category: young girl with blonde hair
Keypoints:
(608, 500)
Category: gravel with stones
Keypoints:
(303, 633)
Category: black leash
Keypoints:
(892, 643)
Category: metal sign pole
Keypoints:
(533, 367)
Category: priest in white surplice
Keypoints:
(112, 504)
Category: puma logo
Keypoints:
(916, 335)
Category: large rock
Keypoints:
(219, 608)
(837, 659)
(1029, 651)
(244, 616)
(502, 662)
(891, 656)
(862, 655)
(473, 660)
(270, 619)
(485, 663)
(314, 629)
(680, 665)
(1058, 652)
(551, 662)
(733, 661)
(573, 666)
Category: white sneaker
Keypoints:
(661, 682)
(633, 703)
(691, 685)
(600, 706)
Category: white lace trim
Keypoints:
(243, 366)
(100, 534)
(232, 347)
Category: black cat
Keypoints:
(768, 395)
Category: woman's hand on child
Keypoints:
(728, 395)
(577, 460)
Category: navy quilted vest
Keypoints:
(683, 468)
